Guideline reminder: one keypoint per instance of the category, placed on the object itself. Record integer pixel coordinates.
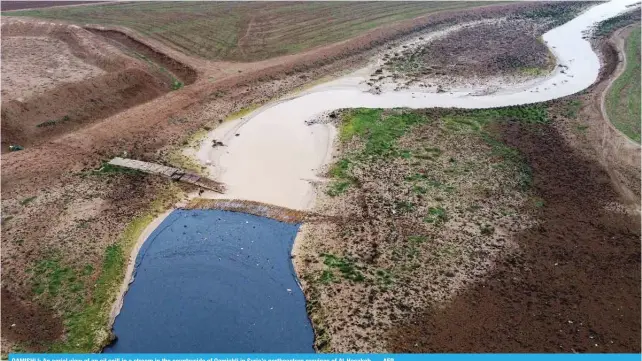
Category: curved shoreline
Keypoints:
(131, 265)
(306, 105)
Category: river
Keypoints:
(275, 154)
(218, 281)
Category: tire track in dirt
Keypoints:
(248, 30)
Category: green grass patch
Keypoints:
(340, 171)
(436, 216)
(384, 277)
(416, 177)
(512, 158)
(337, 188)
(379, 132)
(50, 276)
(344, 265)
(623, 99)
(176, 84)
(417, 239)
(475, 120)
(327, 277)
(572, 108)
(404, 207)
(86, 327)
(486, 229)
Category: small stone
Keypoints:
(450, 274)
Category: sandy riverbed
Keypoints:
(272, 156)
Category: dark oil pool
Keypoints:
(214, 281)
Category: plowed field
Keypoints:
(247, 31)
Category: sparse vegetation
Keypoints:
(345, 266)
(572, 107)
(86, 322)
(53, 122)
(176, 85)
(107, 169)
(436, 215)
(555, 14)
(243, 112)
(607, 26)
(338, 187)
(422, 195)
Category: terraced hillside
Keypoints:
(246, 30)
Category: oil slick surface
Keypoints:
(215, 281)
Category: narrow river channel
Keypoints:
(219, 281)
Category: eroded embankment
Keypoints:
(88, 80)
(185, 73)
(63, 109)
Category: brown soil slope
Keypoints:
(85, 81)
(574, 285)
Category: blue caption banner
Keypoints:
(322, 357)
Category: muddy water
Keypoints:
(271, 155)
(215, 281)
